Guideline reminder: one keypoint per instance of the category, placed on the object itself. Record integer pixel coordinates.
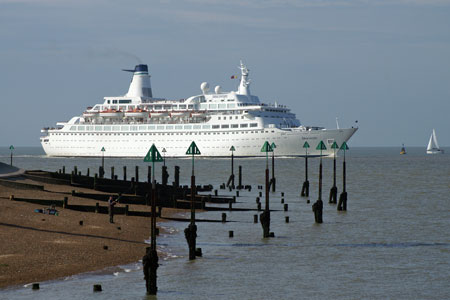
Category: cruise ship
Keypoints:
(127, 126)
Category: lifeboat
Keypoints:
(111, 113)
(136, 113)
(90, 114)
(158, 114)
(178, 113)
(198, 114)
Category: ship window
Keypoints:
(107, 128)
(158, 107)
(169, 127)
(203, 106)
(73, 128)
(190, 106)
(197, 126)
(160, 127)
(98, 128)
(124, 101)
(231, 105)
(225, 126)
(330, 141)
(182, 106)
(212, 106)
(178, 127)
(222, 106)
(151, 127)
(114, 102)
(116, 128)
(81, 128)
(206, 126)
(109, 101)
(234, 125)
(244, 125)
(215, 126)
(187, 126)
(253, 124)
(125, 127)
(219, 118)
(134, 128)
(242, 117)
(142, 127)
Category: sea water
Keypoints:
(393, 242)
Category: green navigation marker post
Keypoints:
(230, 182)
(318, 205)
(11, 148)
(150, 260)
(272, 181)
(191, 231)
(305, 187)
(333, 191)
(264, 218)
(342, 205)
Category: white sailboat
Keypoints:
(433, 146)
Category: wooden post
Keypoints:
(317, 207)
(342, 205)
(87, 173)
(149, 174)
(177, 176)
(240, 178)
(65, 202)
(136, 175)
(273, 180)
(112, 172)
(124, 173)
(305, 187)
(64, 169)
(333, 191)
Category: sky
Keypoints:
(384, 63)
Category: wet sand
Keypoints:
(36, 247)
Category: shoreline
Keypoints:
(40, 247)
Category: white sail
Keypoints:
(433, 146)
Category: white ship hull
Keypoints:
(211, 144)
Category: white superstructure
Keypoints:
(127, 126)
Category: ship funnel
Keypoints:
(140, 84)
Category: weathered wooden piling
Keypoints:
(230, 182)
(255, 219)
(112, 172)
(285, 207)
(273, 180)
(35, 286)
(64, 169)
(259, 206)
(65, 202)
(95, 181)
(124, 173)
(97, 288)
(333, 191)
(87, 173)
(150, 259)
(342, 205)
(237, 193)
(191, 231)
(240, 178)
(317, 207)
(164, 175)
(11, 148)
(75, 169)
(136, 174)
(177, 176)
(230, 205)
(282, 200)
(257, 200)
(286, 219)
(305, 187)
(264, 218)
(101, 172)
(230, 233)
(224, 217)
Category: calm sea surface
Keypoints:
(392, 243)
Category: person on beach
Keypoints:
(111, 204)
